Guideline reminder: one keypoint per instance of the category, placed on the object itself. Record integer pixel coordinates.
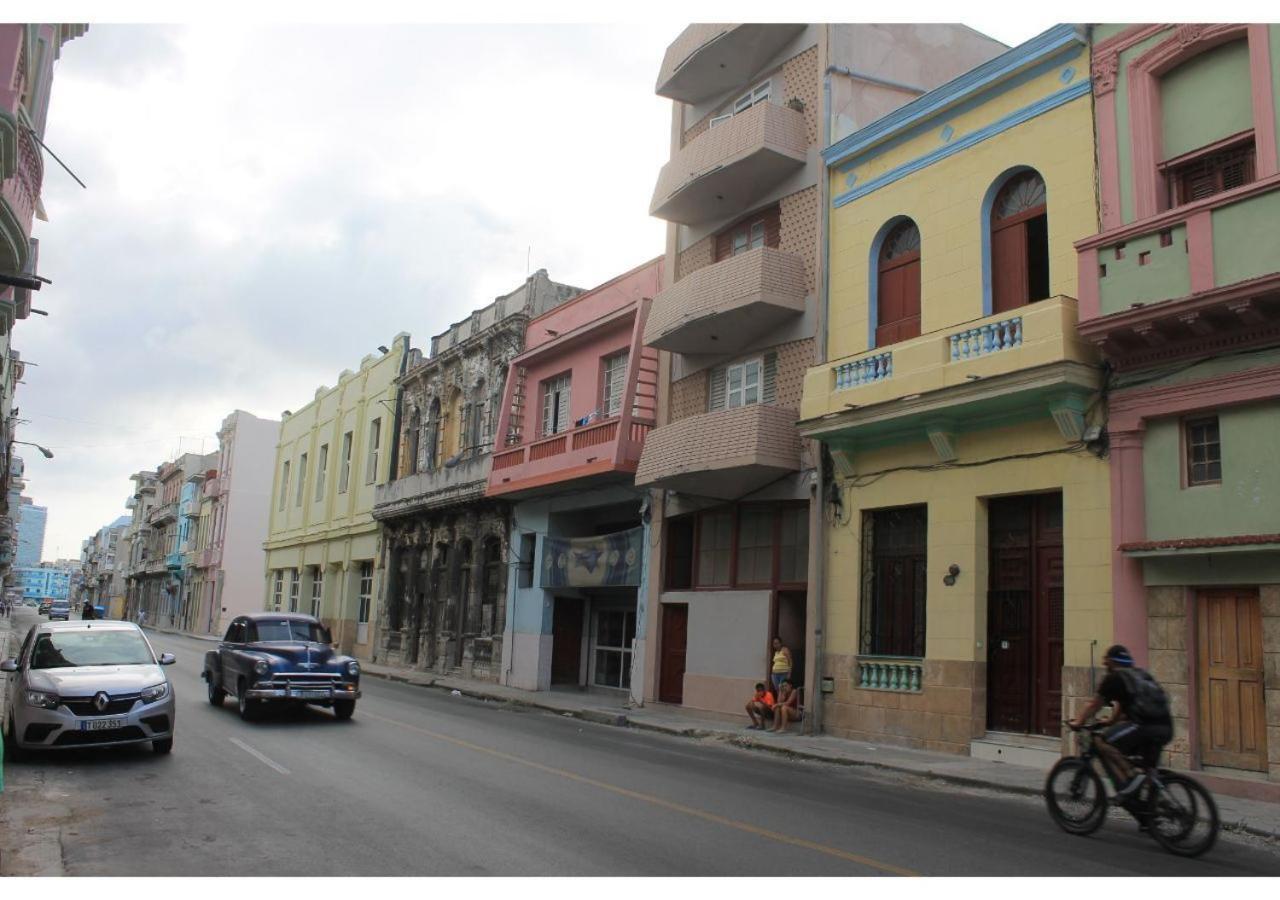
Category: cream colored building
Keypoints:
(322, 541)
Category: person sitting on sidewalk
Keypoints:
(787, 709)
(760, 706)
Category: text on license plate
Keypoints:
(310, 694)
(101, 724)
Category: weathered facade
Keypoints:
(443, 544)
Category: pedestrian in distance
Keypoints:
(787, 709)
(760, 706)
(780, 671)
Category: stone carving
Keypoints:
(1105, 68)
(1189, 33)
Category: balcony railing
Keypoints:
(21, 190)
(727, 305)
(722, 454)
(444, 486)
(612, 444)
(905, 675)
(1037, 334)
(165, 512)
(709, 59)
(720, 173)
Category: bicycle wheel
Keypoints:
(1075, 796)
(1184, 818)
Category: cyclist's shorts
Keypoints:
(1134, 737)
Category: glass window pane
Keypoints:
(757, 235)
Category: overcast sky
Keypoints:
(267, 205)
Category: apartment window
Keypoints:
(322, 470)
(302, 479)
(755, 546)
(294, 586)
(277, 591)
(344, 476)
(555, 404)
(528, 547)
(756, 95)
(760, 229)
(613, 383)
(743, 384)
(897, 289)
(893, 581)
(1210, 171)
(1019, 243)
(375, 444)
(1204, 451)
(793, 545)
(715, 548)
(615, 633)
(317, 590)
(366, 593)
(284, 485)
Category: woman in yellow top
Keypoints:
(781, 670)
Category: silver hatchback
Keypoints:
(87, 684)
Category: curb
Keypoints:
(620, 720)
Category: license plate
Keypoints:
(101, 724)
(310, 695)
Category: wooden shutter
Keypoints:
(769, 378)
(1009, 276)
(562, 411)
(716, 389)
(898, 302)
(548, 408)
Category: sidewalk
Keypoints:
(1237, 813)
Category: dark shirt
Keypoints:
(1115, 690)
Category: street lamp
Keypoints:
(48, 454)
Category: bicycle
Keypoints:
(1173, 808)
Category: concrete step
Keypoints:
(1034, 751)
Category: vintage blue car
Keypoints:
(281, 658)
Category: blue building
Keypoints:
(39, 582)
(31, 522)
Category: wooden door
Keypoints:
(898, 300)
(566, 641)
(675, 638)
(1233, 729)
(1025, 614)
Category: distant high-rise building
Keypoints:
(31, 523)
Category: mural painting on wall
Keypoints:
(608, 559)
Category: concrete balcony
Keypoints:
(174, 560)
(723, 307)
(23, 175)
(596, 452)
(722, 454)
(708, 60)
(720, 173)
(999, 368)
(211, 488)
(462, 482)
(1205, 274)
(165, 512)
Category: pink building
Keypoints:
(577, 406)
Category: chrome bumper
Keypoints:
(316, 694)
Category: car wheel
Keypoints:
(163, 746)
(216, 694)
(246, 709)
(343, 709)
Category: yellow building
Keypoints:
(322, 541)
(967, 558)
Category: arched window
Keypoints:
(1019, 243)
(898, 285)
(433, 436)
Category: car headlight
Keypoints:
(353, 669)
(42, 699)
(155, 692)
(261, 668)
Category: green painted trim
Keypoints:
(1211, 569)
(1246, 241)
(1124, 150)
(1206, 99)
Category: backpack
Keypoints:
(1147, 700)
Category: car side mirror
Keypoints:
(9, 665)
(167, 659)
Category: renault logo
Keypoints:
(100, 701)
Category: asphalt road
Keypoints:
(423, 783)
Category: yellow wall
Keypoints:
(945, 201)
(956, 616)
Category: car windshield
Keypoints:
(91, 648)
(292, 630)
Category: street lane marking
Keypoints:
(656, 801)
(261, 756)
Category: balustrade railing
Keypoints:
(508, 459)
(864, 371)
(986, 339)
(890, 675)
(544, 449)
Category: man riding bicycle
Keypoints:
(1140, 722)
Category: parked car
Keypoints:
(284, 658)
(87, 684)
(61, 609)
(44, 605)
